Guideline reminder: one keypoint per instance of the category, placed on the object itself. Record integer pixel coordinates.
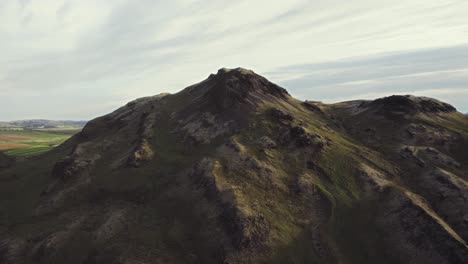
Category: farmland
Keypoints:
(26, 143)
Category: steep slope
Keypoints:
(6, 161)
(235, 170)
(427, 139)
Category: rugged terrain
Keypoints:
(235, 170)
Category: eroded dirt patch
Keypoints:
(10, 146)
(11, 137)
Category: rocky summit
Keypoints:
(235, 170)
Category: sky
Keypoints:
(79, 59)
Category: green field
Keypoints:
(26, 143)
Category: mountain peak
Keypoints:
(409, 104)
(232, 87)
(237, 70)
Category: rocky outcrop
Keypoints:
(266, 142)
(115, 222)
(300, 137)
(449, 197)
(415, 233)
(11, 250)
(419, 134)
(72, 178)
(202, 129)
(281, 115)
(230, 87)
(248, 229)
(313, 106)
(143, 151)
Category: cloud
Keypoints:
(103, 53)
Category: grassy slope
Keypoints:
(340, 163)
(354, 226)
(172, 227)
(21, 186)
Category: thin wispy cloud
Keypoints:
(438, 72)
(79, 59)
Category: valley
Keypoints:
(31, 143)
(26, 138)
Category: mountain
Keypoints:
(235, 170)
(42, 123)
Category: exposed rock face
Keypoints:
(267, 143)
(71, 179)
(248, 229)
(410, 227)
(143, 151)
(313, 106)
(281, 115)
(408, 131)
(205, 128)
(449, 199)
(232, 87)
(235, 170)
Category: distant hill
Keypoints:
(43, 123)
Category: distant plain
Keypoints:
(30, 142)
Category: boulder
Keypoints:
(281, 115)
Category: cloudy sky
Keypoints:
(78, 59)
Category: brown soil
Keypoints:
(9, 146)
(10, 137)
